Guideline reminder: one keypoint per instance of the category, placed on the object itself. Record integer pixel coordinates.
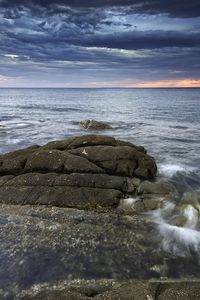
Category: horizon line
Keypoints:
(114, 87)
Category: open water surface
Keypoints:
(165, 121)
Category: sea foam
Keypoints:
(179, 241)
(182, 241)
(171, 169)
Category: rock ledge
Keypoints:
(84, 172)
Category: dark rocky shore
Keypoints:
(68, 232)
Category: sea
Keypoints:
(165, 121)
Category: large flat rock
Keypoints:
(84, 172)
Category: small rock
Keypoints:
(191, 197)
(146, 203)
(92, 124)
(161, 188)
(133, 184)
(178, 221)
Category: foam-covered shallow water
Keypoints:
(178, 229)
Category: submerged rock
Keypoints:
(92, 124)
(160, 187)
(148, 203)
(47, 244)
(44, 246)
(144, 203)
(84, 172)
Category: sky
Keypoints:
(99, 43)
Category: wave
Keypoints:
(179, 127)
(8, 118)
(179, 241)
(182, 240)
(14, 141)
(181, 140)
(49, 108)
(170, 170)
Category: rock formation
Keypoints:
(65, 232)
(83, 172)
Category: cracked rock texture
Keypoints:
(84, 172)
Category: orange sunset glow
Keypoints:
(178, 83)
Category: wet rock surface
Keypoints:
(113, 290)
(66, 233)
(44, 245)
(160, 188)
(54, 243)
(84, 172)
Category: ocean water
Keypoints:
(165, 121)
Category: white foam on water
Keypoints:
(171, 169)
(127, 203)
(11, 141)
(159, 215)
(21, 124)
(191, 214)
(180, 241)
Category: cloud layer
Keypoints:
(98, 43)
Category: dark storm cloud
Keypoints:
(107, 38)
(149, 65)
(127, 41)
(142, 40)
(184, 8)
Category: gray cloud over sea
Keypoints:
(98, 43)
